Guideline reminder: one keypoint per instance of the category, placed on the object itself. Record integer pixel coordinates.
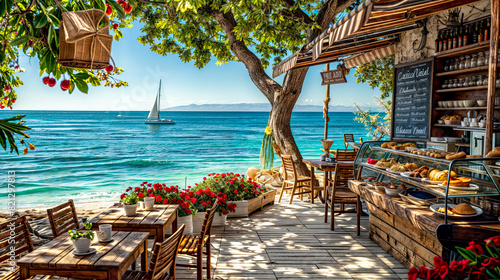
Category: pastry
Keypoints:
(398, 167)
(449, 210)
(474, 156)
(462, 182)
(453, 156)
(494, 153)
(463, 209)
(388, 144)
(411, 166)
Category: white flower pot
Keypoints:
(198, 222)
(149, 203)
(130, 210)
(82, 245)
(186, 220)
(141, 205)
(219, 221)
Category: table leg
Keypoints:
(175, 227)
(144, 257)
(114, 274)
(312, 184)
(23, 273)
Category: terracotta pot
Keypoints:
(130, 210)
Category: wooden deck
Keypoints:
(292, 242)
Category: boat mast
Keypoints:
(159, 99)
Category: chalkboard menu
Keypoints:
(411, 100)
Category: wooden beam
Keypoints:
(492, 73)
(325, 109)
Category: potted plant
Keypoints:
(203, 200)
(244, 192)
(130, 203)
(81, 240)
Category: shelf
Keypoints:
(463, 89)
(464, 50)
(463, 128)
(483, 191)
(406, 154)
(462, 108)
(463, 71)
(446, 125)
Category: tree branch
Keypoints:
(255, 69)
(153, 2)
(298, 12)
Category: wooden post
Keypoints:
(325, 104)
(492, 73)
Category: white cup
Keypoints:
(149, 203)
(104, 233)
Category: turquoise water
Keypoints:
(93, 156)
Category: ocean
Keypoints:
(95, 156)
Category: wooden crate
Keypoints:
(246, 207)
(268, 198)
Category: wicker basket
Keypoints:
(82, 43)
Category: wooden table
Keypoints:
(326, 166)
(155, 221)
(109, 262)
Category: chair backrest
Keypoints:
(63, 218)
(14, 233)
(164, 255)
(344, 155)
(343, 173)
(206, 227)
(348, 138)
(289, 167)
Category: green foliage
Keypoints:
(75, 234)
(378, 74)
(189, 29)
(235, 186)
(130, 199)
(8, 128)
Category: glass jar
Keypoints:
(473, 61)
(498, 80)
(456, 64)
(451, 65)
(446, 67)
(486, 58)
(455, 83)
(485, 81)
(466, 82)
(494, 209)
(472, 81)
(467, 61)
(460, 82)
(462, 63)
(479, 80)
(444, 84)
(480, 59)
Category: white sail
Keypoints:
(154, 114)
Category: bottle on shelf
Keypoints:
(460, 42)
(487, 30)
(480, 35)
(450, 40)
(475, 34)
(466, 36)
(436, 43)
(454, 44)
(445, 40)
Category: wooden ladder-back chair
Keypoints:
(345, 155)
(22, 243)
(193, 245)
(348, 138)
(63, 218)
(292, 180)
(339, 193)
(163, 260)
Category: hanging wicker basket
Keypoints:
(82, 44)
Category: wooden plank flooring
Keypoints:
(291, 242)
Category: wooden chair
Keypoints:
(292, 180)
(345, 155)
(339, 193)
(163, 258)
(193, 245)
(22, 242)
(63, 218)
(348, 138)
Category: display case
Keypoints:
(467, 178)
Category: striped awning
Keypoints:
(364, 58)
(372, 16)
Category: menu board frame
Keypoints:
(430, 92)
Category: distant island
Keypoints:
(256, 107)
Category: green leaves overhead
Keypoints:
(8, 128)
(187, 28)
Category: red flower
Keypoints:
(245, 189)
(255, 192)
(140, 194)
(443, 271)
(193, 200)
(224, 212)
(136, 189)
(235, 191)
(109, 10)
(425, 273)
(491, 263)
(476, 248)
(151, 195)
(413, 273)
(158, 198)
(231, 182)
(122, 196)
(493, 241)
(438, 262)
(478, 274)
(150, 190)
(204, 178)
(165, 201)
(223, 174)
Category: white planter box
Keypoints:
(198, 222)
(245, 207)
(219, 221)
(186, 220)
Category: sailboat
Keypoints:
(154, 114)
(119, 115)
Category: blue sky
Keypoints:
(183, 84)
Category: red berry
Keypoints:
(115, 25)
(121, 2)
(109, 9)
(7, 88)
(52, 82)
(46, 80)
(65, 84)
(127, 8)
(109, 68)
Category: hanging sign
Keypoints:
(334, 76)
